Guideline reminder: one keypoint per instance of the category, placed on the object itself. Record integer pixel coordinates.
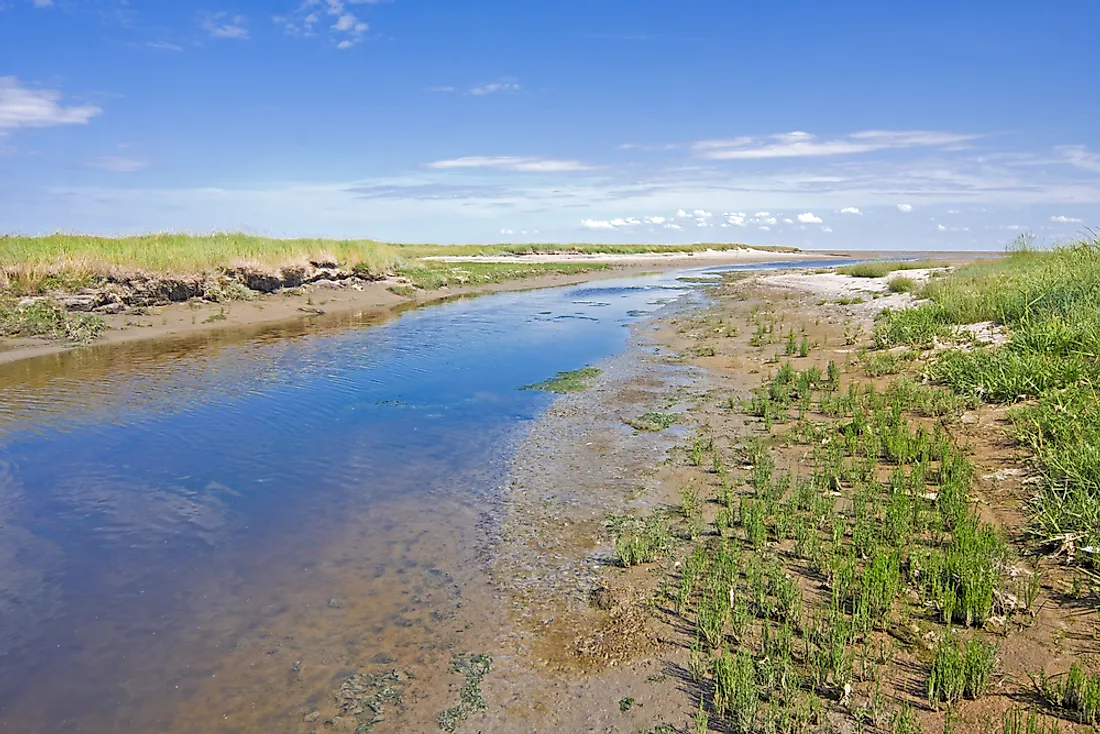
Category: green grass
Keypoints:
(565, 382)
(882, 268)
(1076, 693)
(901, 284)
(32, 262)
(1049, 305)
(960, 671)
(48, 319)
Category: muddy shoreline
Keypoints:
(593, 646)
(332, 297)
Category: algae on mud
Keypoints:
(564, 382)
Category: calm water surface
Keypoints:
(208, 534)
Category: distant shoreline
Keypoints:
(187, 318)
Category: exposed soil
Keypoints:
(584, 636)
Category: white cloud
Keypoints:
(223, 25)
(737, 219)
(511, 163)
(850, 210)
(42, 3)
(673, 226)
(762, 214)
(702, 214)
(507, 231)
(953, 211)
(596, 224)
(1064, 220)
(828, 230)
(345, 31)
(802, 144)
(655, 220)
(682, 214)
(766, 229)
(503, 85)
(23, 107)
(941, 228)
(809, 218)
(905, 208)
(119, 163)
(787, 221)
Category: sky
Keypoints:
(847, 124)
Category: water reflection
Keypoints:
(205, 534)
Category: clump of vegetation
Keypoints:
(565, 382)
(882, 268)
(1015, 721)
(48, 318)
(901, 284)
(641, 540)
(473, 668)
(1076, 693)
(960, 671)
(653, 421)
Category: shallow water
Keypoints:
(209, 534)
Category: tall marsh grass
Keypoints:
(31, 260)
(1049, 305)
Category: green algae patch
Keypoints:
(572, 381)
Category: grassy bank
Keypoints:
(1049, 305)
(33, 262)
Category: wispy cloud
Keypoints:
(225, 25)
(850, 210)
(1065, 220)
(440, 90)
(24, 107)
(161, 45)
(42, 3)
(506, 84)
(802, 144)
(1077, 155)
(118, 163)
(643, 146)
(511, 163)
(905, 208)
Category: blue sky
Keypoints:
(932, 125)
